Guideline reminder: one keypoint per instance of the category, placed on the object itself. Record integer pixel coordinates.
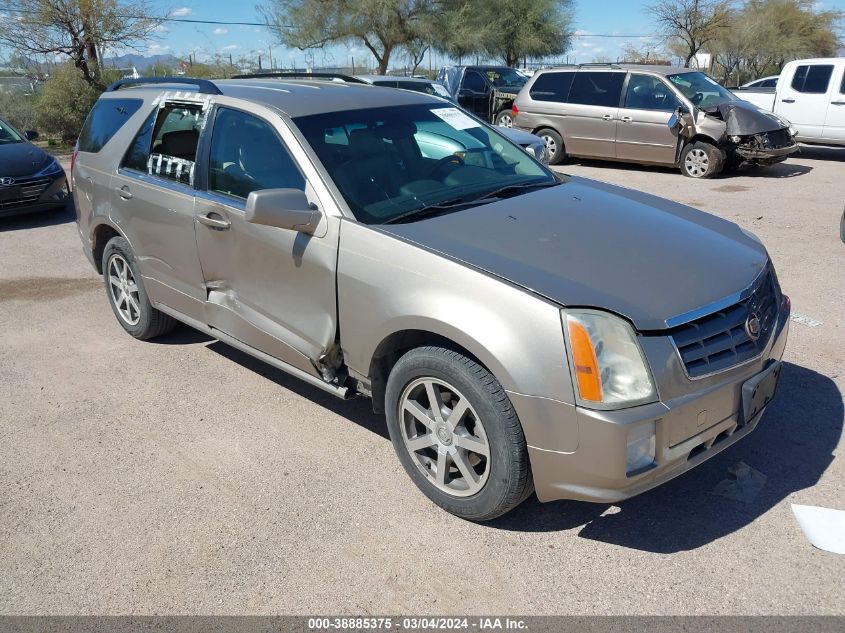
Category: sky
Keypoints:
(625, 21)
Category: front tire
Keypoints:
(554, 146)
(504, 119)
(127, 295)
(701, 160)
(456, 434)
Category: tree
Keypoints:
(383, 26)
(65, 100)
(516, 29)
(693, 24)
(78, 29)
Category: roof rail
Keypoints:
(294, 75)
(599, 65)
(204, 86)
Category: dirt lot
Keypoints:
(184, 477)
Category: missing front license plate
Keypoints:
(758, 391)
(9, 193)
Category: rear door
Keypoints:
(593, 110)
(641, 133)
(153, 201)
(271, 288)
(834, 123)
(804, 98)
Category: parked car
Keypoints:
(763, 82)
(486, 91)
(531, 143)
(650, 115)
(30, 179)
(502, 316)
(811, 94)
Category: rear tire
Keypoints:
(475, 466)
(554, 145)
(127, 295)
(701, 160)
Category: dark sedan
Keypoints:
(30, 179)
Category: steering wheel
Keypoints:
(452, 160)
(697, 98)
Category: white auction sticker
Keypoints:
(455, 118)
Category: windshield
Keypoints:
(700, 89)
(390, 161)
(506, 78)
(8, 134)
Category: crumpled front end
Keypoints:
(766, 147)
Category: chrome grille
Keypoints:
(30, 191)
(722, 340)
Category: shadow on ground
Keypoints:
(792, 446)
(38, 220)
(779, 170)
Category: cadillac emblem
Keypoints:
(753, 326)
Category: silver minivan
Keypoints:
(657, 115)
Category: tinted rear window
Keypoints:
(597, 88)
(105, 119)
(552, 87)
(812, 79)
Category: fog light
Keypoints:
(641, 447)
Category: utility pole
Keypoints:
(259, 61)
(270, 50)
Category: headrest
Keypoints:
(364, 144)
(181, 143)
(397, 130)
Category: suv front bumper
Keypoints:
(579, 453)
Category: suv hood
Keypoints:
(590, 244)
(22, 159)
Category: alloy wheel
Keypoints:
(444, 436)
(124, 290)
(551, 145)
(697, 162)
(505, 120)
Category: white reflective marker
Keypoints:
(823, 527)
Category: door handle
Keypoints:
(124, 192)
(216, 223)
(607, 117)
(788, 100)
(837, 103)
(627, 119)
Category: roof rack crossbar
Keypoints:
(294, 75)
(600, 64)
(204, 86)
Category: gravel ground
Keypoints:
(183, 477)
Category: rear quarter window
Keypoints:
(551, 87)
(103, 122)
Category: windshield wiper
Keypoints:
(483, 198)
(429, 210)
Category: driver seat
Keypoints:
(373, 173)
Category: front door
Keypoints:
(641, 133)
(474, 94)
(153, 203)
(271, 288)
(804, 100)
(834, 123)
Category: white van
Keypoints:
(810, 93)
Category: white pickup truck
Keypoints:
(810, 94)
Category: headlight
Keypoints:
(52, 168)
(609, 368)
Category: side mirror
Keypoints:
(31, 135)
(283, 208)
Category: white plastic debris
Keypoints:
(743, 483)
(823, 527)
